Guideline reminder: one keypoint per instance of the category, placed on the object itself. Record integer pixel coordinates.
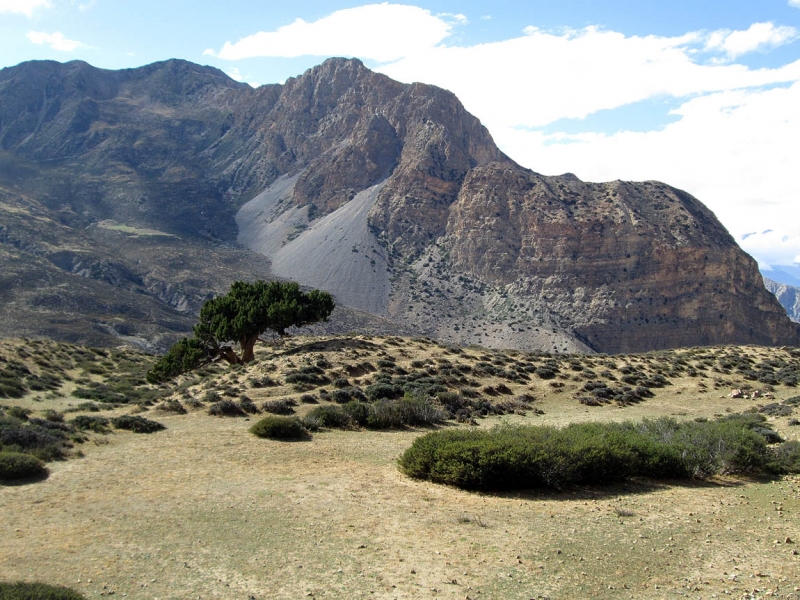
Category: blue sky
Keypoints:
(702, 95)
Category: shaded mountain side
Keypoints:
(110, 283)
(392, 196)
(788, 296)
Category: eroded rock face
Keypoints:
(631, 266)
(455, 238)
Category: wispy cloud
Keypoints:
(381, 32)
(760, 36)
(56, 41)
(22, 7)
(795, 3)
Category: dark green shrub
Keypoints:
(99, 392)
(284, 406)
(54, 416)
(247, 405)
(41, 438)
(382, 390)
(172, 406)
(358, 412)
(225, 408)
(37, 591)
(19, 413)
(211, 396)
(187, 354)
(16, 465)
(263, 381)
(587, 453)
(341, 382)
(776, 410)
(329, 415)
(277, 427)
(136, 424)
(408, 411)
(786, 458)
(90, 423)
(545, 372)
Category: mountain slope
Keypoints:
(391, 196)
(788, 296)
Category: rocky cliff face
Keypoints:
(391, 196)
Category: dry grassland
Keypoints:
(206, 510)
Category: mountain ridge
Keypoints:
(451, 239)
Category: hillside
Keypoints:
(788, 296)
(133, 195)
(139, 514)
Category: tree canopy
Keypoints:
(241, 316)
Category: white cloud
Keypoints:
(56, 41)
(770, 248)
(795, 3)
(381, 32)
(542, 77)
(22, 7)
(237, 75)
(760, 36)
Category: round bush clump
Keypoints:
(279, 428)
(37, 591)
(225, 408)
(136, 424)
(16, 465)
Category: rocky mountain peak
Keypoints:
(390, 195)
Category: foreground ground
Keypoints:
(206, 510)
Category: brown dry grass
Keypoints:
(206, 510)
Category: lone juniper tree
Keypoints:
(241, 316)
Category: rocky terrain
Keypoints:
(787, 295)
(128, 197)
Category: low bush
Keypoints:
(37, 591)
(99, 392)
(284, 406)
(90, 423)
(136, 424)
(225, 408)
(786, 458)
(44, 439)
(281, 428)
(593, 453)
(172, 406)
(16, 465)
(328, 415)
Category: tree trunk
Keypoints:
(229, 355)
(248, 343)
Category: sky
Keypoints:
(703, 95)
